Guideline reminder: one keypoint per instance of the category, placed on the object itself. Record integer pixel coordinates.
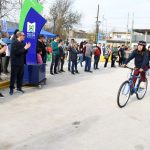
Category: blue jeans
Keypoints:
(80, 59)
(88, 63)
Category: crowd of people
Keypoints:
(13, 48)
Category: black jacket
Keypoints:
(17, 53)
(149, 55)
(73, 54)
(141, 59)
(41, 47)
(62, 53)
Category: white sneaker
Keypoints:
(142, 85)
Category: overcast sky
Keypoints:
(115, 13)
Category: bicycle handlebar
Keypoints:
(132, 68)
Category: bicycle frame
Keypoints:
(136, 86)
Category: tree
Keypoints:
(62, 16)
(7, 6)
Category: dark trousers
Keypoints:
(44, 58)
(106, 62)
(87, 63)
(74, 66)
(96, 61)
(6, 64)
(17, 73)
(54, 64)
(69, 64)
(62, 61)
(120, 61)
(113, 61)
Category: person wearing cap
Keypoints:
(141, 61)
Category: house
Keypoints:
(119, 38)
(78, 35)
(140, 34)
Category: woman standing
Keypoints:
(107, 55)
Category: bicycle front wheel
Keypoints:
(123, 94)
(142, 90)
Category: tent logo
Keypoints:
(31, 27)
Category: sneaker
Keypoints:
(142, 85)
(90, 71)
(1, 95)
(55, 72)
(77, 72)
(62, 71)
(52, 73)
(20, 91)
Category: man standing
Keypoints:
(69, 50)
(55, 55)
(62, 56)
(18, 50)
(88, 57)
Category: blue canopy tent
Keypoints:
(43, 32)
(47, 34)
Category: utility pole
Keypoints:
(132, 30)
(97, 25)
(126, 43)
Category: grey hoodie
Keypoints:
(89, 50)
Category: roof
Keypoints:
(142, 31)
(122, 32)
(118, 41)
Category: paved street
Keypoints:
(75, 113)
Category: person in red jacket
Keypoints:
(97, 55)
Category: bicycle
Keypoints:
(128, 88)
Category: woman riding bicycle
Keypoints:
(141, 62)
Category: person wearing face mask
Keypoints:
(141, 60)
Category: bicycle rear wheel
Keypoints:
(123, 94)
(142, 90)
